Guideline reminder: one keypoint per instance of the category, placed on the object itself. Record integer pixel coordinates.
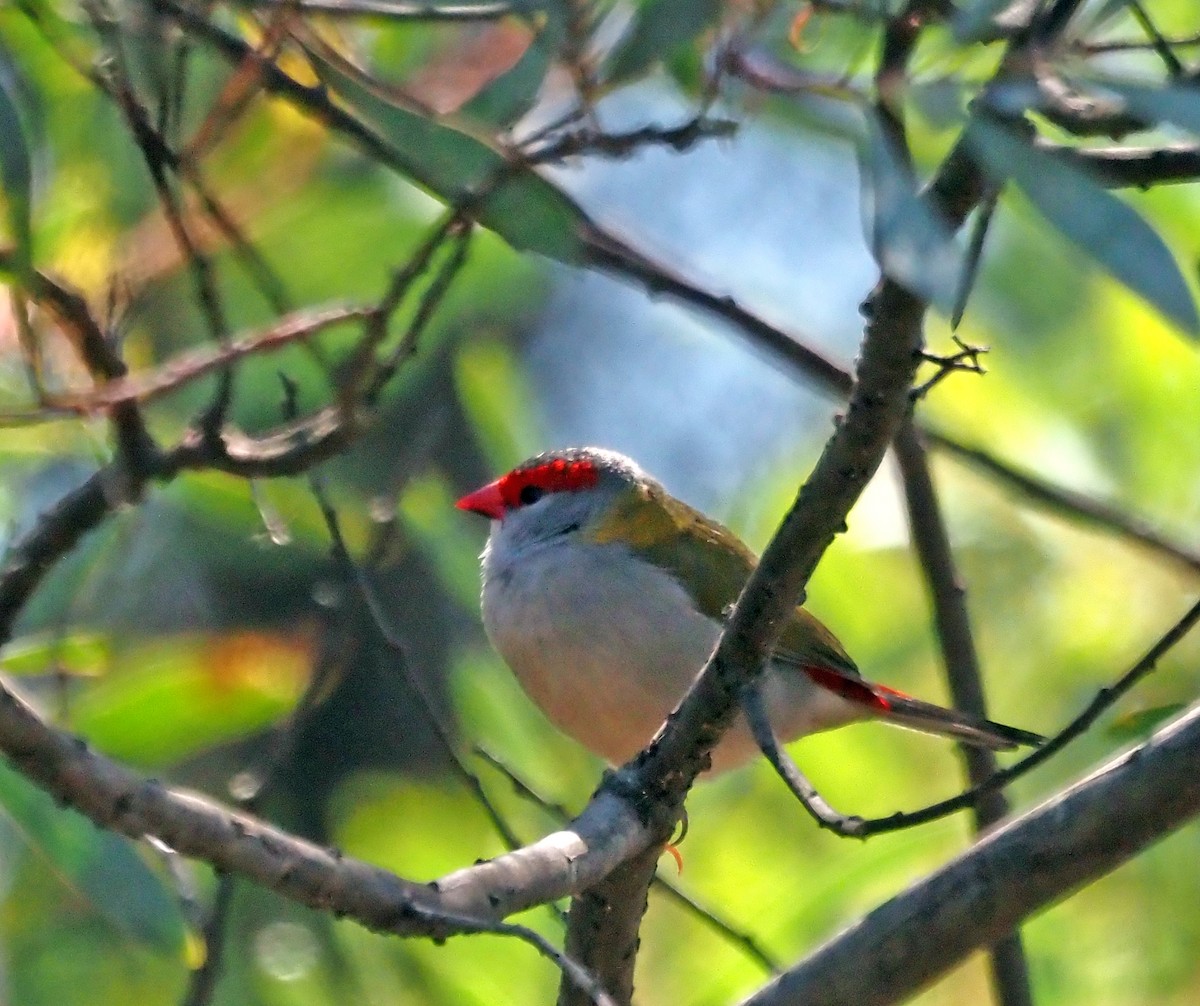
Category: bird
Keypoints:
(605, 595)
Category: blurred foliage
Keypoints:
(181, 636)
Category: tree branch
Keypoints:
(1069, 503)
(662, 775)
(1009, 968)
(1029, 863)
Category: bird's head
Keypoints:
(557, 492)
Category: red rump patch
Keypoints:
(854, 689)
(554, 476)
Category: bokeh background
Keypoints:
(178, 636)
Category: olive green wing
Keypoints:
(712, 564)
(708, 560)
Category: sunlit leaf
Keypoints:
(100, 869)
(83, 654)
(1095, 220)
(1141, 724)
(519, 205)
(657, 29)
(169, 698)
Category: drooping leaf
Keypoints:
(656, 31)
(519, 205)
(102, 870)
(82, 654)
(1092, 218)
(911, 243)
(1173, 104)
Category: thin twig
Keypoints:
(442, 730)
(856, 827)
(1069, 504)
(931, 540)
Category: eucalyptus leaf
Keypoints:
(912, 244)
(1142, 723)
(170, 698)
(514, 92)
(657, 30)
(1092, 218)
(1173, 104)
(515, 202)
(16, 167)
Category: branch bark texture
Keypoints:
(1035, 860)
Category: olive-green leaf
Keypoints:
(82, 654)
(657, 29)
(16, 170)
(1092, 218)
(515, 202)
(1141, 723)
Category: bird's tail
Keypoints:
(905, 711)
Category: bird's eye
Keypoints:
(530, 494)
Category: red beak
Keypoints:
(487, 501)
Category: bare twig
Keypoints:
(190, 366)
(1069, 504)
(965, 360)
(406, 10)
(1160, 45)
(1009, 967)
(986, 892)
(626, 144)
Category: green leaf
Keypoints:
(1141, 724)
(514, 92)
(170, 698)
(518, 204)
(16, 168)
(659, 28)
(912, 244)
(985, 20)
(83, 654)
(1175, 104)
(102, 870)
(1100, 224)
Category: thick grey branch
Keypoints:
(1031, 862)
(607, 833)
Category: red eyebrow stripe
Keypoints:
(554, 476)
